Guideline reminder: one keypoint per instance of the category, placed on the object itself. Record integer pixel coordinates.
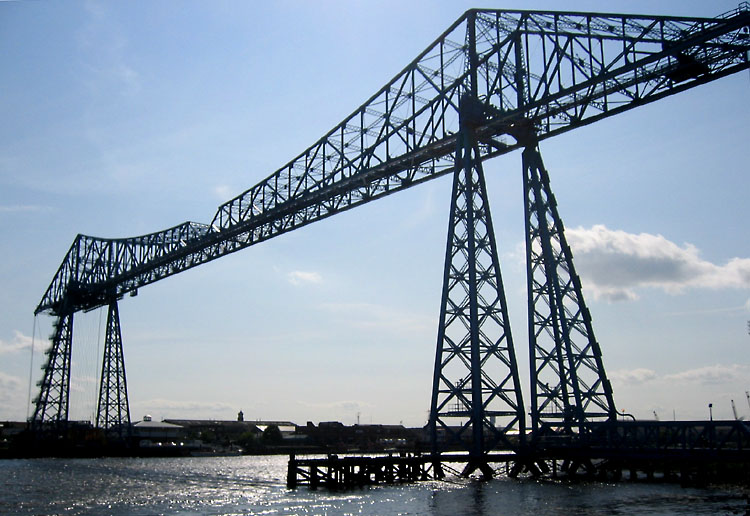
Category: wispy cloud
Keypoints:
(11, 391)
(614, 264)
(168, 407)
(223, 192)
(367, 316)
(106, 46)
(19, 342)
(343, 405)
(298, 278)
(24, 208)
(714, 374)
(9, 382)
(633, 376)
(83, 384)
(708, 375)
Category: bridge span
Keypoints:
(477, 92)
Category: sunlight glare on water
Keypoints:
(225, 486)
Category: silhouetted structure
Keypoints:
(477, 92)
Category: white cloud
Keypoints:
(634, 376)
(614, 264)
(223, 192)
(714, 374)
(298, 278)
(18, 343)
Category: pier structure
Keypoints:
(336, 472)
(690, 452)
(494, 82)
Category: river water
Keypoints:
(257, 485)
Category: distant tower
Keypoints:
(240, 416)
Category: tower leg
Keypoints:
(476, 398)
(568, 382)
(51, 406)
(113, 412)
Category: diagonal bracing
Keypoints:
(113, 410)
(477, 403)
(52, 403)
(568, 383)
(549, 71)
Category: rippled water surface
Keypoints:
(257, 485)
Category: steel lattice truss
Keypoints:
(52, 404)
(568, 384)
(476, 393)
(113, 410)
(539, 72)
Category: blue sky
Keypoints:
(124, 118)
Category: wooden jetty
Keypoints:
(336, 472)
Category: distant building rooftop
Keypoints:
(228, 423)
(156, 424)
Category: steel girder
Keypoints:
(113, 411)
(689, 437)
(476, 394)
(568, 383)
(530, 72)
(93, 261)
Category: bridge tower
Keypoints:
(476, 394)
(51, 406)
(476, 397)
(568, 383)
(113, 411)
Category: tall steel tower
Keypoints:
(477, 403)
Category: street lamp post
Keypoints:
(711, 411)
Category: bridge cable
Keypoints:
(31, 365)
(99, 370)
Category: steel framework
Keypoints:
(476, 395)
(52, 404)
(113, 411)
(585, 67)
(519, 73)
(568, 384)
